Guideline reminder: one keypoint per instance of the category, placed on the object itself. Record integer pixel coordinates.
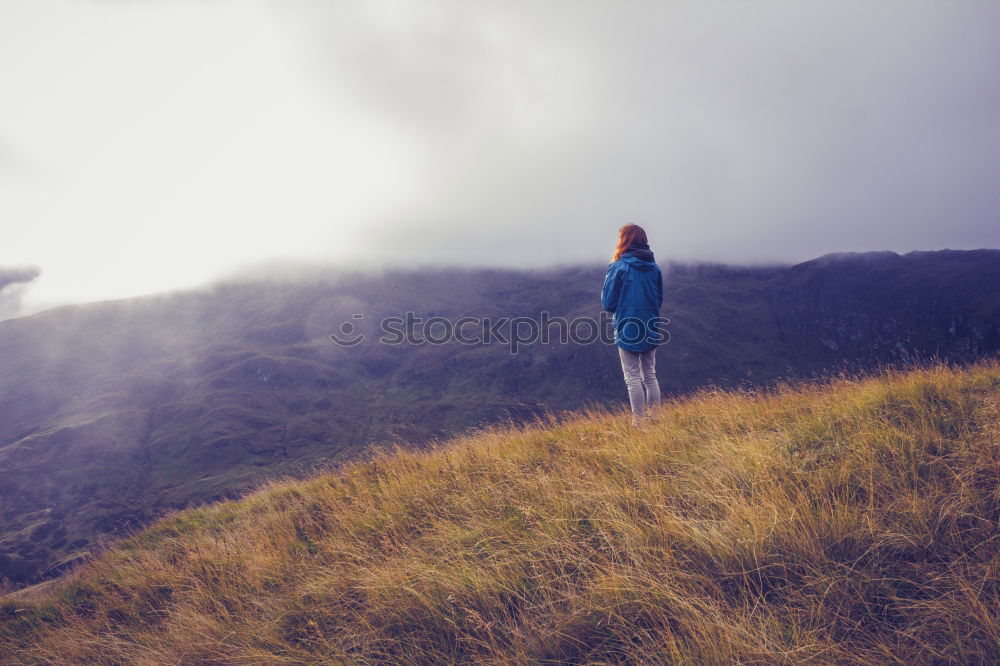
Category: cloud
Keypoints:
(734, 131)
(175, 142)
(13, 282)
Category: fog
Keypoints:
(159, 145)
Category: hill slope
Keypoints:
(854, 521)
(114, 413)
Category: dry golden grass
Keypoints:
(848, 522)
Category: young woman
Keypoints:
(633, 291)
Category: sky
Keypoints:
(156, 145)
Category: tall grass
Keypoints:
(847, 522)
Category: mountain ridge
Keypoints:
(117, 412)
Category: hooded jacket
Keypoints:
(633, 291)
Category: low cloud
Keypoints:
(13, 282)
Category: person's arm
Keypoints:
(612, 288)
(659, 289)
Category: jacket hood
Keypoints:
(639, 256)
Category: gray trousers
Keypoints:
(640, 378)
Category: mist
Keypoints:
(13, 282)
(155, 146)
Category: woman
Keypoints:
(633, 291)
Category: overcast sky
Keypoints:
(147, 146)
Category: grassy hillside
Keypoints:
(854, 521)
(115, 413)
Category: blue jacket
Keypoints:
(633, 291)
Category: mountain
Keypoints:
(118, 412)
(850, 521)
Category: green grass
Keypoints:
(853, 521)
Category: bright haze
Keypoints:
(156, 145)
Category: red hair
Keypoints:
(629, 235)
